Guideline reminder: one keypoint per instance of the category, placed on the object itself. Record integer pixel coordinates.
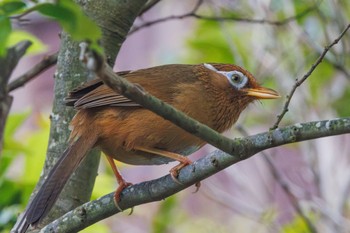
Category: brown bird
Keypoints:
(213, 94)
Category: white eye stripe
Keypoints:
(210, 67)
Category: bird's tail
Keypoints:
(55, 181)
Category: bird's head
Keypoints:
(239, 84)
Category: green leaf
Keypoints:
(85, 27)
(64, 16)
(72, 19)
(5, 30)
(36, 47)
(11, 7)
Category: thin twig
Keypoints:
(283, 184)
(307, 75)
(193, 14)
(43, 65)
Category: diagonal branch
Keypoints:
(306, 76)
(216, 161)
(44, 64)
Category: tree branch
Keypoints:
(193, 14)
(307, 75)
(216, 161)
(7, 65)
(44, 64)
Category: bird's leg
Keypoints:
(121, 182)
(174, 172)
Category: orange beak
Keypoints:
(262, 93)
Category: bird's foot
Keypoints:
(122, 185)
(174, 172)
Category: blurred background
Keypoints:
(293, 188)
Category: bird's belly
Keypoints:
(120, 137)
(136, 157)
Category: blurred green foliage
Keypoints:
(30, 148)
(7, 9)
(17, 36)
(202, 47)
(166, 215)
(16, 186)
(341, 104)
(66, 12)
(296, 226)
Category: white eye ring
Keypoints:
(237, 79)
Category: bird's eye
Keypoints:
(237, 79)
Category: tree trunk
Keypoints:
(115, 19)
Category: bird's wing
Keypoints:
(162, 82)
(96, 94)
(103, 96)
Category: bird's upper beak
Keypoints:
(262, 93)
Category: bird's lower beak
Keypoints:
(262, 93)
